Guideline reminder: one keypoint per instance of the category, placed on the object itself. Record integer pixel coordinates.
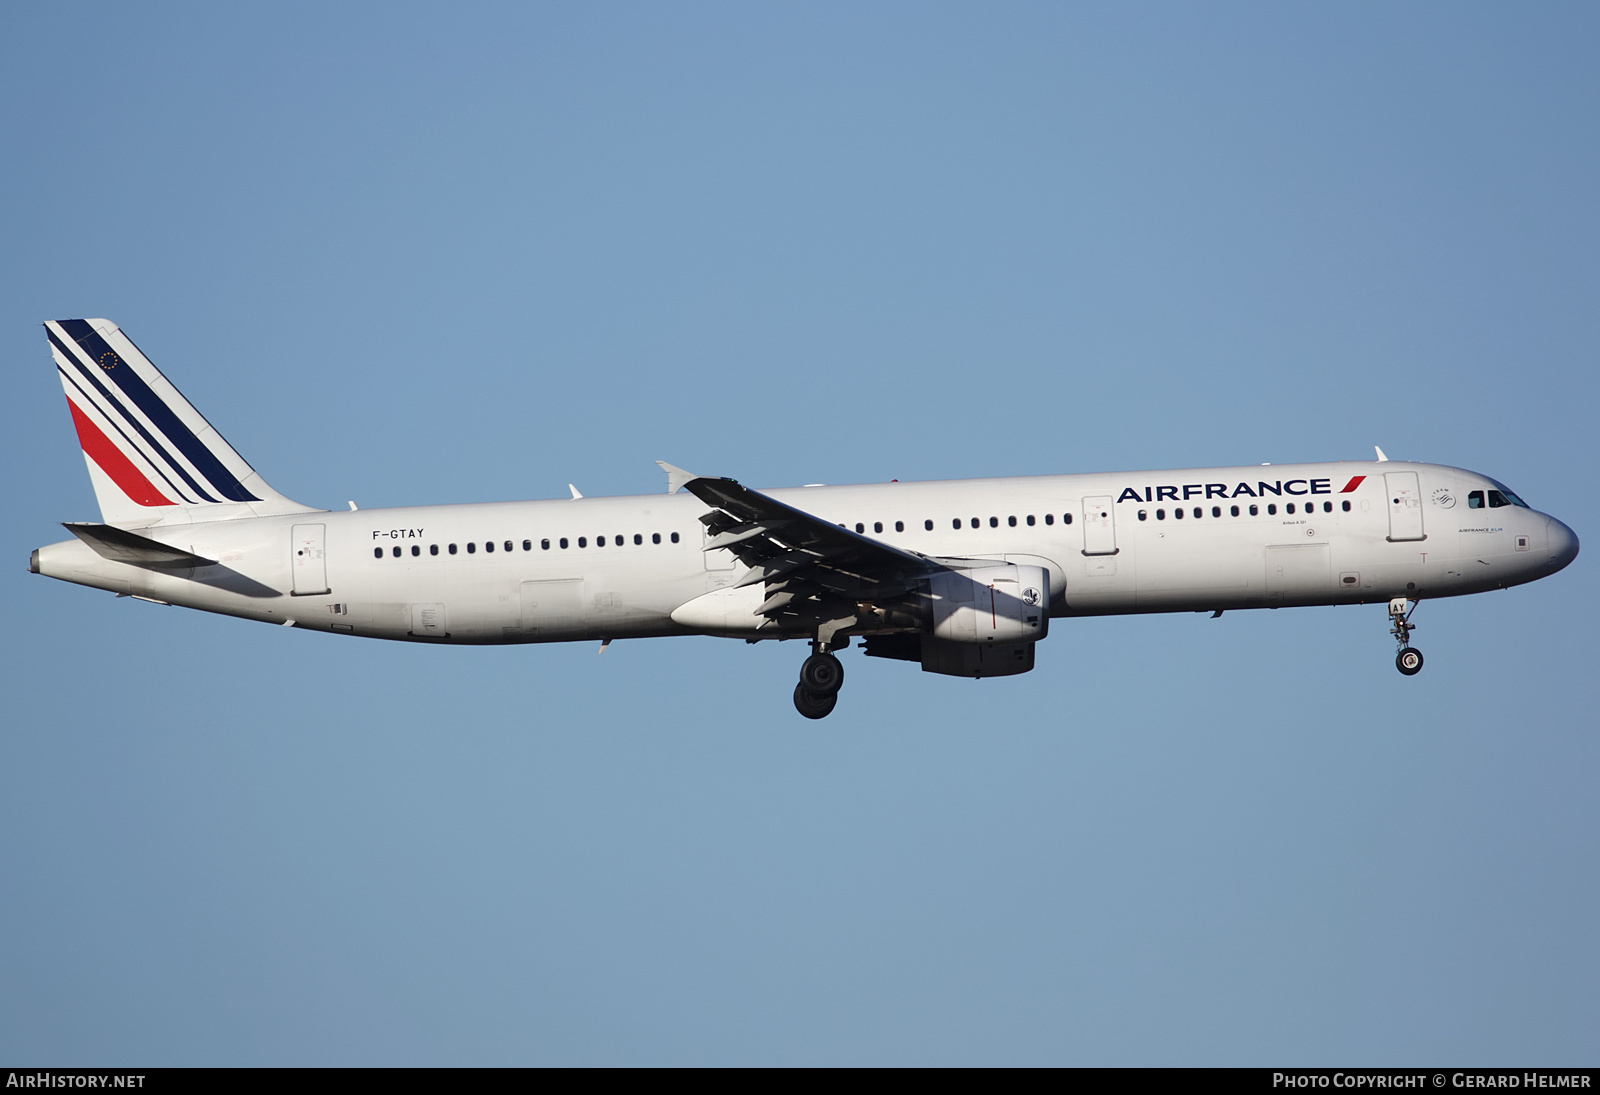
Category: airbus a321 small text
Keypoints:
(962, 576)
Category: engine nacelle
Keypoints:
(998, 605)
(952, 659)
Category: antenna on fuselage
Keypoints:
(1382, 459)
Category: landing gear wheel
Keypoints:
(823, 675)
(813, 706)
(1409, 661)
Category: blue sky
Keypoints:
(412, 254)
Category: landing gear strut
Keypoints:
(1409, 658)
(821, 677)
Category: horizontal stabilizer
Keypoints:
(121, 546)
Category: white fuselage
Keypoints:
(425, 573)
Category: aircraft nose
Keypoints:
(1563, 543)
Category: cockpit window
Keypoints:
(1475, 499)
(1503, 497)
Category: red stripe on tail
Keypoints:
(1353, 484)
(114, 464)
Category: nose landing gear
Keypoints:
(1409, 658)
(821, 677)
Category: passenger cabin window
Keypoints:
(638, 539)
(1233, 511)
(416, 549)
(1066, 519)
(544, 545)
(1161, 515)
(1255, 511)
(1143, 516)
(563, 543)
(527, 545)
(899, 526)
(452, 549)
(599, 541)
(994, 522)
(397, 553)
(1049, 518)
(583, 542)
(877, 526)
(976, 522)
(472, 549)
(674, 537)
(488, 545)
(860, 527)
(928, 524)
(377, 553)
(1345, 505)
(1272, 509)
(433, 549)
(1030, 520)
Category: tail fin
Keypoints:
(152, 457)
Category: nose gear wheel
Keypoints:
(1409, 658)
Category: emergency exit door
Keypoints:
(1405, 506)
(307, 562)
(1099, 526)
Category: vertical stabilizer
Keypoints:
(152, 457)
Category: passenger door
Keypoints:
(1405, 506)
(307, 564)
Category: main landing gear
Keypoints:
(821, 677)
(1409, 659)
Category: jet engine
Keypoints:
(984, 623)
(991, 605)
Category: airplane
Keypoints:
(961, 576)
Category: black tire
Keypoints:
(822, 674)
(813, 706)
(1409, 661)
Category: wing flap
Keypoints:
(810, 568)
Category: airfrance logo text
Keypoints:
(1220, 490)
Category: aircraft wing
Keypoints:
(799, 556)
